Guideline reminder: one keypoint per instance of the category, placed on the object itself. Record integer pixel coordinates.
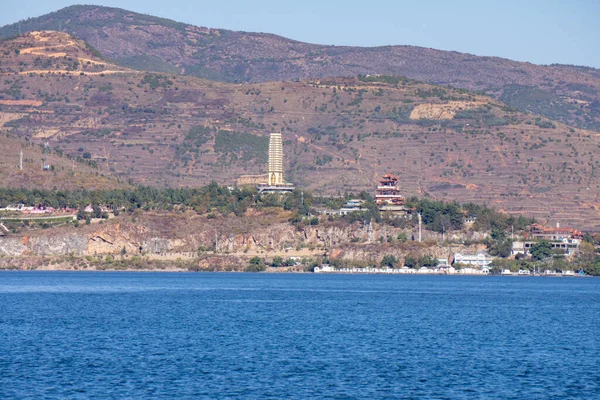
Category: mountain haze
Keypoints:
(568, 94)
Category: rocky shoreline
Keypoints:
(189, 242)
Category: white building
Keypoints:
(480, 259)
(18, 207)
(352, 206)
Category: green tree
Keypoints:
(501, 247)
(256, 264)
(541, 250)
(411, 262)
(388, 261)
(504, 248)
(588, 238)
(428, 261)
(277, 262)
(586, 255)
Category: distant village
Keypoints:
(389, 199)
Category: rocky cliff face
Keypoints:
(45, 245)
(225, 237)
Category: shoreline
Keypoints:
(276, 272)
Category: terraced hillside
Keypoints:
(568, 94)
(64, 172)
(340, 134)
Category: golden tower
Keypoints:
(275, 160)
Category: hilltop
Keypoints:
(340, 134)
(569, 94)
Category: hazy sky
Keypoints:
(538, 31)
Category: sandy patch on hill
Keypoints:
(43, 51)
(90, 61)
(63, 71)
(46, 133)
(33, 103)
(87, 122)
(442, 111)
(7, 117)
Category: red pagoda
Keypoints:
(388, 191)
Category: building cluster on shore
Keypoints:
(566, 240)
(440, 270)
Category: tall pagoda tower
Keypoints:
(275, 160)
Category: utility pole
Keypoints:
(45, 165)
(302, 201)
(420, 221)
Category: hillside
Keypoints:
(339, 134)
(65, 173)
(568, 94)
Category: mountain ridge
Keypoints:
(564, 93)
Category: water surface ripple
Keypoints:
(255, 336)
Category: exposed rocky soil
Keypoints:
(189, 241)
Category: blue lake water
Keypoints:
(256, 336)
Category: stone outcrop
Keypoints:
(184, 236)
(44, 245)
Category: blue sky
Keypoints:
(538, 31)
